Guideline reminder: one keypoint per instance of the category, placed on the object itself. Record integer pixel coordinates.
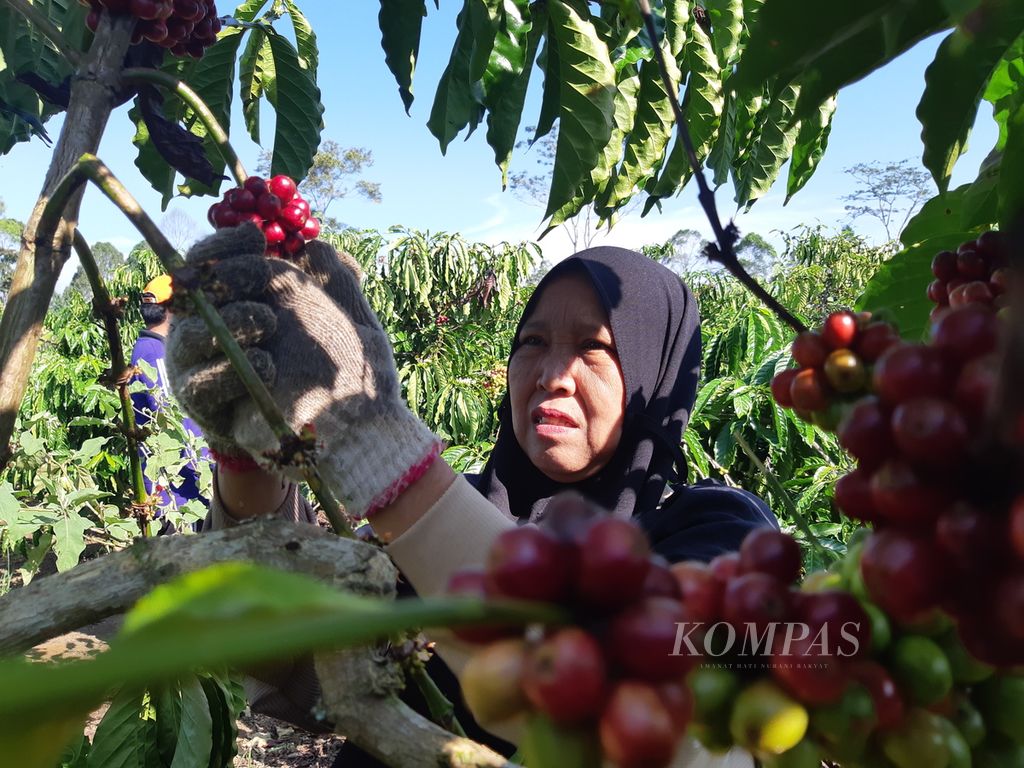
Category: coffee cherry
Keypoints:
(269, 206)
(491, 681)
(845, 371)
(613, 563)
(904, 497)
(848, 624)
(944, 265)
(937, 292)
(970, 264)
(310, 229)
(274, 233)
(864, 432)
(929, 430)
(642, 638)
(853, 496)
(292, 217)
(909, 370)
(244, 200)
(772, 552)
(839, 330)
(565, 677)
(283, 187)
(889, 707)
(994, 246)
(755, 598)
(527, 563)
(258, 186)
(702, 592)
(1017, 526)
(145, 9)
(968, 537)
(874, 340)
(966, 333)
(809, 390)
(809, 350)
(902, 573)
(569, 515)
(974, 292)
(725, 566)
(808, 669)
(1000, 280)
(636, 728)
(781, 385)
(225, 216)
(660, 581)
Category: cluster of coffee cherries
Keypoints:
(976, 273)
(185, 27)
(834, 366)
(612, 672)
(275, 206)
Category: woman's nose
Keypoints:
(556, 372)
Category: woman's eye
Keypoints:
(530, 341)
(594, 344)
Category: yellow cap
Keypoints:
(158, 290)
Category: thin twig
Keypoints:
(196, 104)
(798, 517)
(442, 711)
(724, 249)
(47, 28)
(91, 168)
(103, 307)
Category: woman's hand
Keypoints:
(324, 356)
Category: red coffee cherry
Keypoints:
(864, 432)
(642, 638)
(772, 552)
(613, 563)
(565, 677)
(902, 573)
(781, 385)
(636, 728)
(930, 431)
(527, 563)
(944, 265)
(910, 370)
(809, 350)
(283, 187)
(839, 330)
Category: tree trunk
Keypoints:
(94, 91)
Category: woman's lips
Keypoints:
(551, 422)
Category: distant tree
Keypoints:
(334, 176)
(10, 239)
(107, 257)
(890, 192)
(756, 254)
(180, 228)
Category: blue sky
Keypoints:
(462, 191)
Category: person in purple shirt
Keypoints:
(149, 348)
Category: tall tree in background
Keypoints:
(890, 192)
(180, 228)
(108, 258)
(756, 254)
(10, 237)
(684, 253)
(334, 175)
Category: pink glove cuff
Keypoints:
(397, 488)
(234, 462)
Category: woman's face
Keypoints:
(565, 383)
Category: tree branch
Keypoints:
(723, 250)
(47, 28)
(94, 88)
(104, 308)
(92, 169)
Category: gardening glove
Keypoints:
(318, 346)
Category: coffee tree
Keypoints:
(746, 87)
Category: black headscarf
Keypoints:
(656, 327)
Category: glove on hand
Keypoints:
(320, 349)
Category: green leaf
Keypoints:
(165, 698)
(650, 134)
(955, 82)
(69, 539)
(195, 730)
(456, 103)
(1005, 90)
(254, 69)
(938, 217)
(122, 738)
(586, 99)
(548, 62)
(400, 22)
(235, 614)
(981, 201)
(305, 39)
(898, 288)
(508, 76)
(546, 745)
(224, 731)
(702, 106)
(677, 22)
(810, 146)
(773, 149)
(296, 100)
(726, 28)
(1011, 189)
(789, 36)
(865, 52)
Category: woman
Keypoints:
(602, 376)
